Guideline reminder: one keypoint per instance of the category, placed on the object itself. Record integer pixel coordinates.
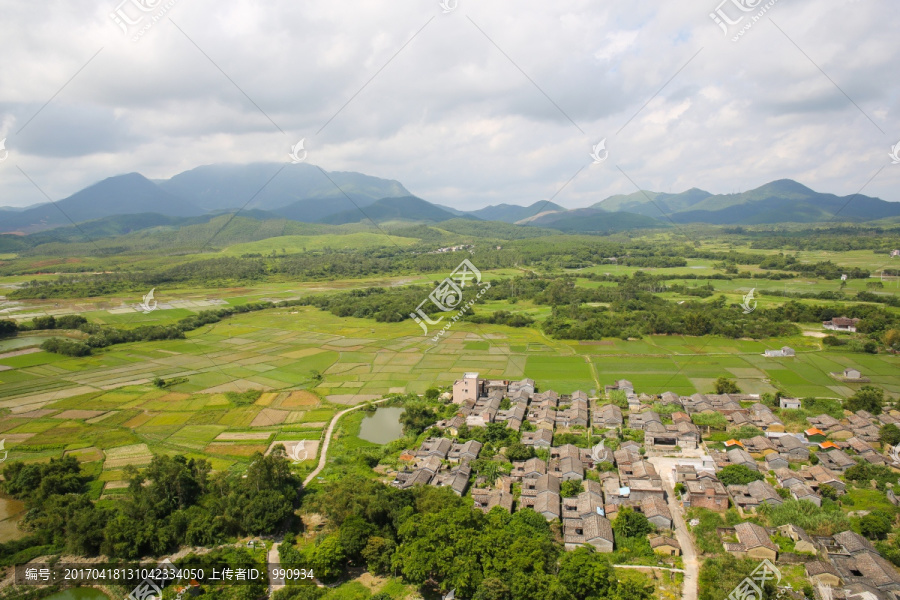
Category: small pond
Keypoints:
(382, 426)
(83, 593)
(15, 343)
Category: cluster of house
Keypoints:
(681, 432)
(846, 559)
(781, 352)
(440, 462)
(484, 401)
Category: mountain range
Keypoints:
(306, 193)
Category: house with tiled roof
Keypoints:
(657, 512)
(529, 469)
(739, 456)
(464, 452)
(753, 542)
(608, 416)
(836, 460)
(801, 491)
(595, 530)
(823, 573)
(668, 546)
(775, 461)
(705, 493)
(542, 438)
(439, 447)
(753, 495)
(819, 475)
(792, 448)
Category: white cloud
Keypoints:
(450, 115)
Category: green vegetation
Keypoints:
(426, 535)
(738, 475)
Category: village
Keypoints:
(663, 468)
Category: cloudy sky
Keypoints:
(492, 101)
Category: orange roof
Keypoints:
(814, 431)
(734, 443)
(829, 445)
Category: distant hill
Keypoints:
(782, 201)
(228, 186)
(594, 220)
(120, 195)
(407, 208)
(511, 213)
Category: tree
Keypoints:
(432, 394)
(631, 524)
(868, 398)
(827, 492)
(890, 434)
(875, 525)
(416, 418)
(492, 588)
(519, 451)
(570, 488)
(724, 385)
(327, 559)
(586, 573)
(892, 339)
(739, 475)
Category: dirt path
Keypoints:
(274, 562)
(689, 554)
(323, 456)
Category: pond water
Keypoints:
(11, 511)
(382, 426)
(20, 342)
(83, 593)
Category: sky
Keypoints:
(465, 103)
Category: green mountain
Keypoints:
(782, 201)
(594, 220)
(123, 194)
(511, 213)
(268, 186)
(407, 208)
